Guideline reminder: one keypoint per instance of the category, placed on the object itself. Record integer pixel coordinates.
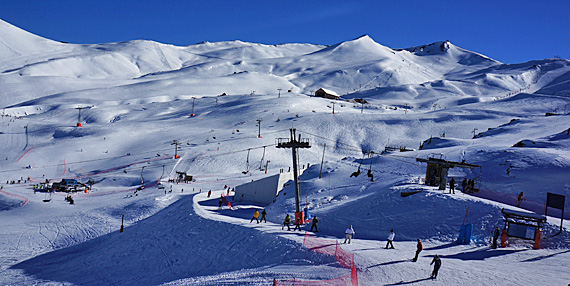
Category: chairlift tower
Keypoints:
(295, 143)
(175, 143)
(193, 114)
(259, 128)
(79, 116)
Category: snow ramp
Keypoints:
(174, 244)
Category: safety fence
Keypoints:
(328, 247)
(24, 199)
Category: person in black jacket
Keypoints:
(314, 224)
(419, 248)
(437, 264)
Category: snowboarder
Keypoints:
(437, 264)
(255, 216)
(298, 224)
(314, 224)
(495, 237)
(263, 213)
(209, 193)
(349, 233)
(519, 199)
(286, 222)
(419, 248)
(464, 184)
(452, 186)
(390, 239)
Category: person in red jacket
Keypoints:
(419, 248)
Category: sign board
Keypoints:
(555, 201)
(521, 231)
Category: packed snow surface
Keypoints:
(216, 110)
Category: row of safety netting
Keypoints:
(344, 258)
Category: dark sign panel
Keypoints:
(555, 201)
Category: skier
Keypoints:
(209, 193)
(519, 199)
(298, 223)
(495, 237)
(314, 224)
(436, 266)
(286, 222)
(349, 233)
(220, 203)
(390, 239)
(452, 186)
(464, 184)
(263, 213)
(255, 216)
(419, 248)
(370, 175)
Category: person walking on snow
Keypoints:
(286, 222)
(437, 264)
(298, 224)
(349, 234)
(390, 239)
(314, 224)
(452, 186)
(519, 199)
(255, 216)
(263, 213)
(495, 237)
(419, 248)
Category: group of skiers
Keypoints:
(467, 186)
(256, 216)
(349, 235)
(298, 223)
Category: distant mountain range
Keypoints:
(353, 69)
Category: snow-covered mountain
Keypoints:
(225, 103)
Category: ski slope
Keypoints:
(138, 96)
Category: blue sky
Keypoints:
(506, 30)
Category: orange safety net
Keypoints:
(344, 258)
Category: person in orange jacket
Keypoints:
(255, 216)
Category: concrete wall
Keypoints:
(262, 191)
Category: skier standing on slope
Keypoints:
(209, 193)
(437, 264)
(464, 185)
(298, 224)
(495, 237)
(349, 233)
(263, 213)
(519, 199)
(419, 248)
(255, 216)
(286, 222)
(314, 224)
(452, 186)
(390, 239)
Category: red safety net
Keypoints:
(344, 258)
